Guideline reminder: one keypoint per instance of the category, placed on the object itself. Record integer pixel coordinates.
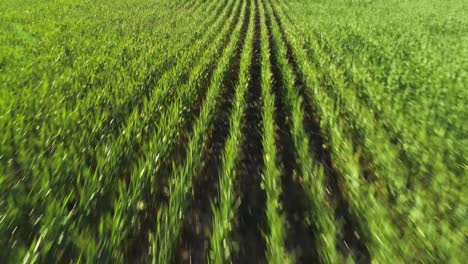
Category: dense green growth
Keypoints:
(113, 114)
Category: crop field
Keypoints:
(233, 131)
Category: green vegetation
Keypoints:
(223, 214)
(275, 234)
(328, 131)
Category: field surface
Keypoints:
(233, 131)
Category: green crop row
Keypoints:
(137, 196)
(115, 115)
(271, 182)
(43, 150)
(170, 216)
(389, 176)
(224, 212)
(311, 174)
